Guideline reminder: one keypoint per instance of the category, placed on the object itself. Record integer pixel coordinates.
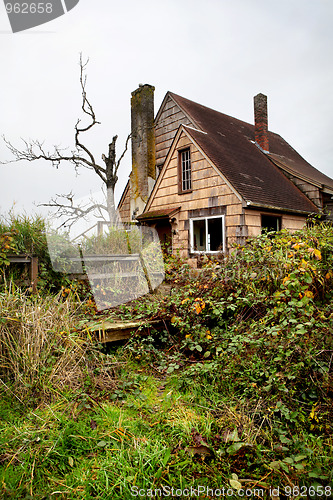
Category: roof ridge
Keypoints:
(190, 101)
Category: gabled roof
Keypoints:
(229, 143)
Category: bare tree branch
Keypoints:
(72, 212)
(123, 153)
(81, 157)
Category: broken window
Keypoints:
(207, 234)
(270, 223)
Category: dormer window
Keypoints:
(185, 174)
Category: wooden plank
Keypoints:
(184, 142)
(169, 103)
(171, 201)
(204, 192)
(104, 276)
(172, 172)
(254, 231)
(232, 220)
(107, 331)
(162, 153)
(234, 209)
(170, 181)
(19, 259)
(253, 220)
(27, 259)
(165, 192)
(200, 172)
(172, 116)
(170, 123)
(108, 258)
(167, 136)
(292, 223)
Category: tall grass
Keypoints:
(30, 232)
(40, 348)
(115, 241)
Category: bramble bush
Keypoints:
(249, 340)
(259, 324)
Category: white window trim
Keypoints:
(206, 228)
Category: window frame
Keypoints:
(191, 234)
(180, 171)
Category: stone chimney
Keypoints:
(143, 173)
(261, 122)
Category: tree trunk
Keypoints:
(110, 203)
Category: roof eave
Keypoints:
(302, 177)
(252, 204)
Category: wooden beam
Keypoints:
(107, 331)
(27, 259)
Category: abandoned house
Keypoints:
(206, 180)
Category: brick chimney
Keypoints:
(143, 173)
(261, 121)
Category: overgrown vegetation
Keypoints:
(234, 391)
(22, 234)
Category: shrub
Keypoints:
(26, 235)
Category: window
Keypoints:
(185, 177)
(207, 234)
(270, 223)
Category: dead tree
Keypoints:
(80, 157)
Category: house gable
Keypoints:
(211, 194)
(169, 174)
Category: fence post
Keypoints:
(34, 273)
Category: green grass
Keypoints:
(154, 435)
(105, 450)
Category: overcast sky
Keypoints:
(219, 53)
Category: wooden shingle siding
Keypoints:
(168, 123)
(288, 221)
(227, 172)
(253, 222)
(292, 223)
(252, 218)
(124, 206)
